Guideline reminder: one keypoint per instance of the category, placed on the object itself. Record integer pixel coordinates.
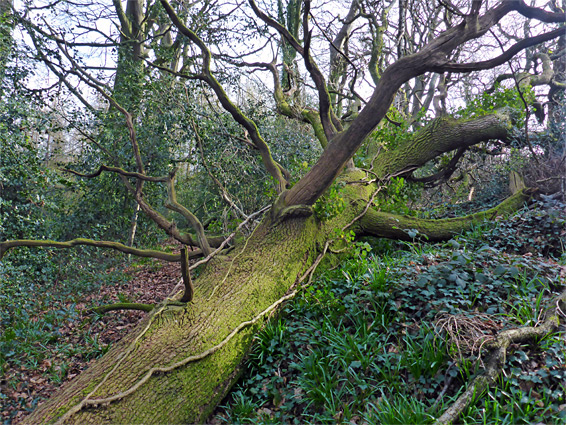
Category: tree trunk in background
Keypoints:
(130, 67)
(6, 40)
(133, 225)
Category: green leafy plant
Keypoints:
(539, 229)
(500, 97)
(331, 204)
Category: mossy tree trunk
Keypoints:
(171, 369)
(233, 289)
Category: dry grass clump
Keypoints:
(467, 334)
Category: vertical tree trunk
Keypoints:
(6, 41)
(133, 225)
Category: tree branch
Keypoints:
(195, 223)
(444, 174)
(6, 246)
(386, 225)
(222, 96)
(432, 57)
(325, 107)
(122, 306)
(496, 360)
(504, 57)
(441, 136)
(120, 171)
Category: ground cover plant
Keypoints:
(371, 341)
(396, 337)
(50, 339)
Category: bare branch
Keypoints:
(195, 223)
(501, 59)
(325, 107)
(120, 171)
(432, 57)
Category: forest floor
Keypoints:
(86, 335)
(373, 341)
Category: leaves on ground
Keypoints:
(76, 338)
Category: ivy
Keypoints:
(331, 204)
(501, 97)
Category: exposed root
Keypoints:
(496, 359)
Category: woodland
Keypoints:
(291, 211)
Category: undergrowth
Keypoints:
(371, 343)
(42, 294)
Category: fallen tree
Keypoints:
(172, 347)
(184, 356)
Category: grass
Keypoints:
(360, 344)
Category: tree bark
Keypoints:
(232, 290)
(440, 136)
(392, 226)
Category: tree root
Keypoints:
(122, 306)
(496, 359)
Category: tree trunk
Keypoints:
(6, 40)
(232, 290)
(178, 363)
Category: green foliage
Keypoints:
(526, 396)
(361, 341)
(331, 203)
(557, 125)
(39, 301)
(398, 197)
(387, 136)
(487, 103)
(398, 410)
(539, 230)
(36, 299)
(233, 162)
(25, 181)
(102, 207)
